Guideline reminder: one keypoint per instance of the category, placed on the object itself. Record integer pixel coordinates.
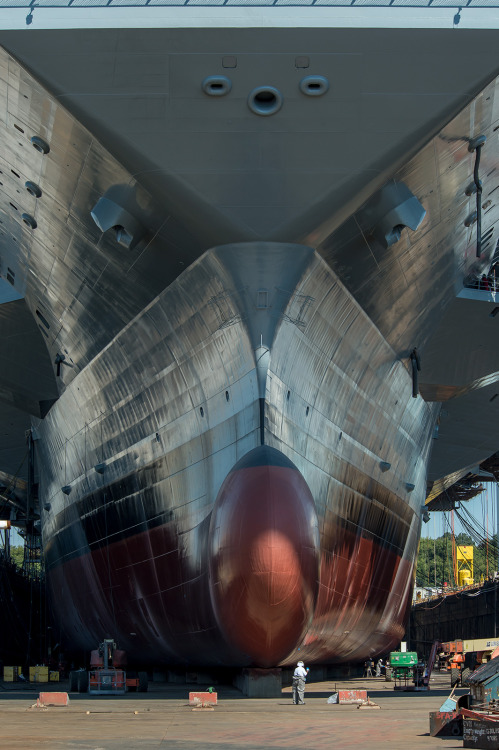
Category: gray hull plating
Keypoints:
(235, 294)
(186, 408)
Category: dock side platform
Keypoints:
(162, 718)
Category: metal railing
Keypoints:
(250, 3)
(444, 591)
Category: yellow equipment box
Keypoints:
(53, 676)
(10, 674)
(38, 674)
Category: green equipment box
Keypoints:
(403, 658)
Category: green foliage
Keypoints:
(17, 555)
(434, 567)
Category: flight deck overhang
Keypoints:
(246, 14)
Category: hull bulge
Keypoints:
(264, 556)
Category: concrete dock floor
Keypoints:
(162, 718)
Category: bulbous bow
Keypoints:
(264, 556)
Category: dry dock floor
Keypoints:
(162, 718)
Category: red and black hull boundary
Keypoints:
(259, 577)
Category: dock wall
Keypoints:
(465, 614)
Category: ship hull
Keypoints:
(282, 526)
(201, 268)
(156, 627)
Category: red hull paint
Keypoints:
(145, 595)
(257, 586)
(131, 587)
(362, 602)
(264, 561)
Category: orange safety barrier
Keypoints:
(52, 699)
(202, 699)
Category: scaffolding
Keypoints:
(32, 560)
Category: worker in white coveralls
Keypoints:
(299, 679)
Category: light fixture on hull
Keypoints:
(117, 210)
(391, 210)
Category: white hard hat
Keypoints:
(300, 664)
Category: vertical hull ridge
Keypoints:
(242, 517)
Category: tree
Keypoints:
(435, 567)
(17, 555)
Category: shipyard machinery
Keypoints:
(403, 664)
(462, 657)
(451, 658)
(107, 675)
(411, 674)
